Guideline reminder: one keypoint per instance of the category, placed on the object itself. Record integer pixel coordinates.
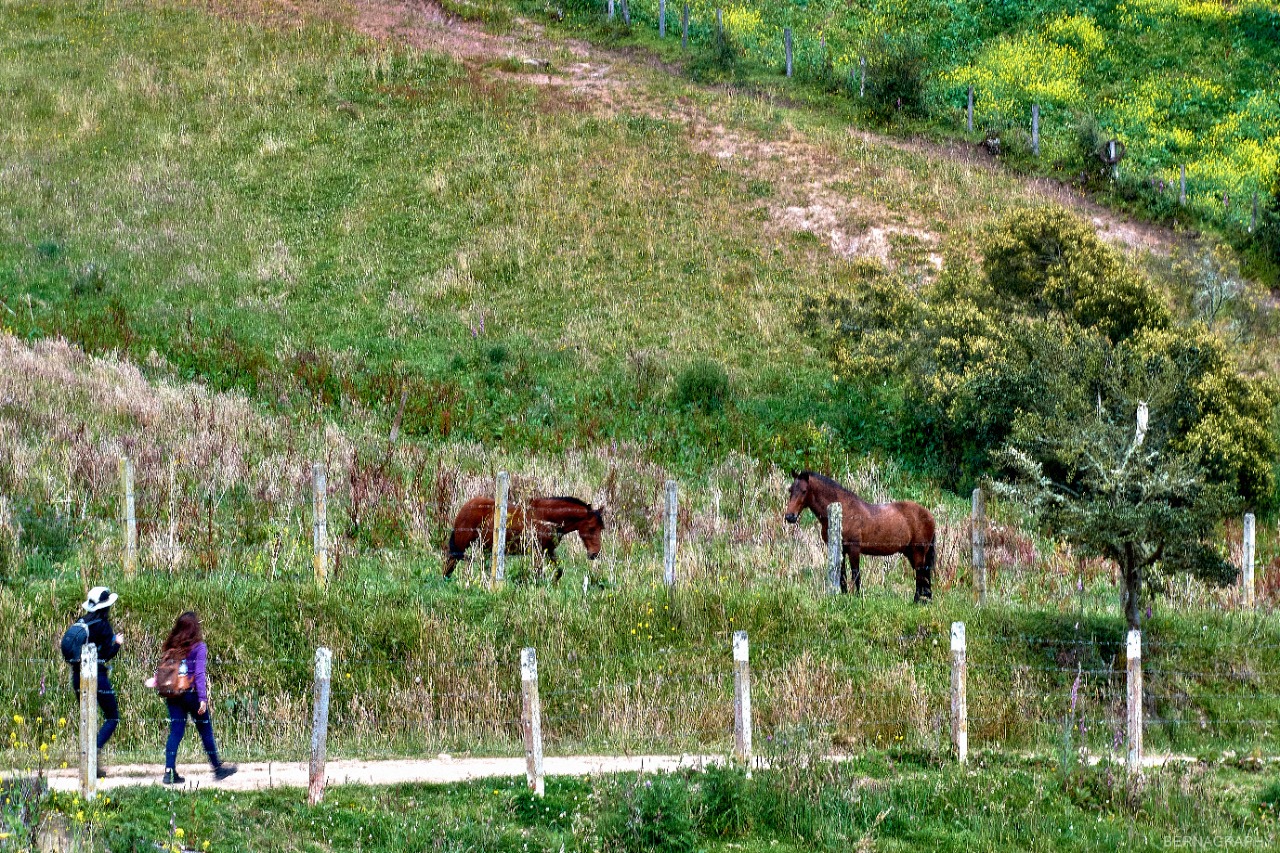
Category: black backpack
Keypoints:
(73, 641)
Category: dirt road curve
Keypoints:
(442, 770)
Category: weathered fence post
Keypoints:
(1035, 129)
(1246, 561)
(626, 13)
(862, 86)
(1182, 185)
(835, 546)
(662, 19)
(1133, 701)
(128, 521)
(978, 523)
(684, 28)
(320, 522)
(1253, 220)
(742, 699)
(610, 10)
(531, 720)
(669, 529)
(959, 693)
(786, 47)
(719, 22)
(89, 721)
(500, 527)
(968, 121)
(319, 725)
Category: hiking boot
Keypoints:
(102, 771)
(222, 771)
(171, 777)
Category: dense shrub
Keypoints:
(704, 385)
(718, 59)
(648, 814)
(896, 71)
(724, 807)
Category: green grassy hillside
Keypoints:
(1177, 83)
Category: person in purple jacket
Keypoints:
(186, 639)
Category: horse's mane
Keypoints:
(823, 478)
(570, 499)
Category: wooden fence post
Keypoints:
(835, 546)
(978, 523)
(320, 522)
(1133, 701)
(128, 520)
(662, 19)
(89, 721)
(626, 13)
(669, 531)
(531, 720)
(959, 693)
(684, 28)
(319, 725)
(500, 527)
(862, 86)
(1253, 220)
(742, 699)
(968, 122)
(719, 22)
(610, 10)
(1246, 561)
(1182, 185)
(1035, 129)
(786, 46)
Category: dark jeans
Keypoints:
(188, 704)
(106, 701)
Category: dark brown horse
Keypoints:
(545, 519)
(878, 530)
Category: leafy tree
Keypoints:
(1123, 487)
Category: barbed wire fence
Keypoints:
(941, 695)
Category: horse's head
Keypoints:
(591, 530)
(797, 496)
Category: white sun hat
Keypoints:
(100, 598)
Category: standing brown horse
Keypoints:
(878, 530)
(546, 519)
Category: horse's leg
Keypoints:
(855, 569)
(921, 559)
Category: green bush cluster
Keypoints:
(1035, 332)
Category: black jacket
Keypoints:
(102, 635)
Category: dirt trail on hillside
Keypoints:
(805, 175)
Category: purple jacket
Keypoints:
(196, 659)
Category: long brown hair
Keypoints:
(185, 634)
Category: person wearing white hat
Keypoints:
(95, 627)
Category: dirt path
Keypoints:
(442, 770)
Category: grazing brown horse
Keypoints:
(546, 519)
(878, 530)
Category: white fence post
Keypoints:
(531, 720)
(959, 693)
(1035, 129)
(786, 45)
(89, 721)
(1133, 701)
(978, 523)
(742, 699)
(968, 123)
(835, 546)
(662, 19)
(128, 519)
(670, 527)
(319, 725)
(1246, 561)
(320, 522)
(500, 527)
